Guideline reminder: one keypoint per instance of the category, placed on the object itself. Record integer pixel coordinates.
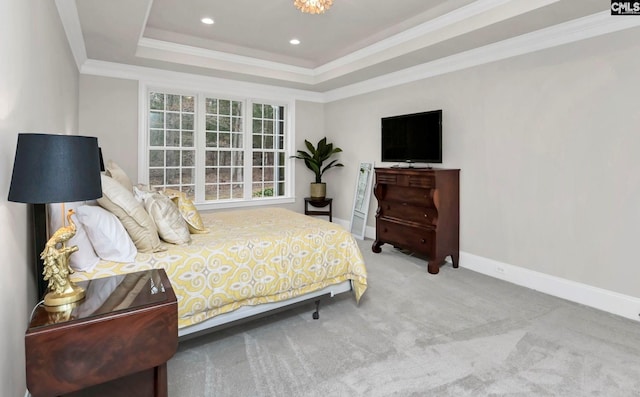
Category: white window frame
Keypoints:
(200, 94)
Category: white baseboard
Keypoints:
(598, 298)
(608, 301)
(369, 231)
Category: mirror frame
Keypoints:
(365, 179)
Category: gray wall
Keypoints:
(38, 93)
(109, 110)
(548, 145)
(309, 126)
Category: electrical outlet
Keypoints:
(500, 269)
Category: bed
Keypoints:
(251, 261)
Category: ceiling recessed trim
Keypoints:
(188, 81)
(441, 22)
(572, 31)
(173, 48)
(578, 29)
(369, 56)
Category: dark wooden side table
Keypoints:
(319, 203)
(115, 342)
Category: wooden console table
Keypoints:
(115, 342)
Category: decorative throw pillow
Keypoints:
(119, 175)
(188, 210)
(172, 228)
(140, 191)
(85, 258)
(138, 223)
(108, 237)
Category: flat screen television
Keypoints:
(412, 138)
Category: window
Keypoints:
(217, 149)
(224, 150)
(171, 142)
(268, 159)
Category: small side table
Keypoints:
(319, 203)
(115, 342)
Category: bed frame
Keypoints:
(247, 313)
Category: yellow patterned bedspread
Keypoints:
(250, 257)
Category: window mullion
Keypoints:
(200, 142)
(248, 149)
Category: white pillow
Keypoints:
(85, 258)
(172, 228)
(109, 238)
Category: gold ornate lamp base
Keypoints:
(62, 291)
(72, 293)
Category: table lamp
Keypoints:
(51, 168)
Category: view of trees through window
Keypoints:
(172, 142)
(207, 152)
(224, 153)
(268, 159)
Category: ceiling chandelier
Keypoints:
(313, 6)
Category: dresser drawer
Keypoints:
(389, 179)
(425, 180)
(408, 196)
(424, 216)
(412, 238)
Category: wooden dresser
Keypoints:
(419, 210)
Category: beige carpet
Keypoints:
(455, 334)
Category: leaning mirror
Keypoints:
(361, 200)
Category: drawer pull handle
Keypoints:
(422, 241)
(425, 215)
(404, 203)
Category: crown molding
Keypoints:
(441, 22)
(160, 77)
(231, 59)
(72, 28)
(568, 32)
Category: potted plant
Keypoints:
(314, 160)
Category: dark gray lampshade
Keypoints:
(55, 169)
(101, 159)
